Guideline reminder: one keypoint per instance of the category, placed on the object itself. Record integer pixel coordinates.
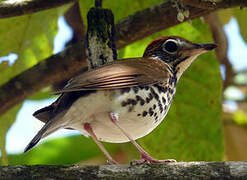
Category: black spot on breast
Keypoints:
(156, 119)
(149, 98)
(131, 101)
(134, 102)
(139, 98)
(144, 113)
(160, 88)
(146, 88)
(155, 114)
(150, 111)
(160, 107)
(156, 96)
(141, 87)
(170, 90)
(123, 104)
(135, 89)
(139, 114)
(125, 90)
(154, 106)
(163, 100)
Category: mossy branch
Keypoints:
(181, 170)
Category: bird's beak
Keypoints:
(194, 49)
(207, 47)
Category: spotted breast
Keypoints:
(140, 109)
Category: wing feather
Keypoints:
(121, 74)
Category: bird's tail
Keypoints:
(46, 130)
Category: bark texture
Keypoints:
(101, 48)
(181, 170)
(17, 8)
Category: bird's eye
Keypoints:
(170, 46)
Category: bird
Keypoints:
(124, 100)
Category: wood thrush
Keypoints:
(124, 100)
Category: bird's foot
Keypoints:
(111, 162)
(146, 159)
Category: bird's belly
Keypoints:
(137, 115)
(137, 127)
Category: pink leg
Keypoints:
(144, 155)
(89, 129)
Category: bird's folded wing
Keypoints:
(120, 74)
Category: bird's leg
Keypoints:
(144, 155)
(89, 129)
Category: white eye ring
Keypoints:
(170, 46)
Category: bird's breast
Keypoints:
(140, 110)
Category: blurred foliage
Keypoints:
(67, 150)
(43, 94)
(240, 15)
(240, 117)
(192, 129)
(30, 37)
(5, 123)
(235, 122)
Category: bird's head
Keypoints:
(177, 52)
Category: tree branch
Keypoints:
(17, 8)
(210, 4)
(45, 73)
(182, 170)
(71, 61)
(101, 48)
(159, 17)
(220, 39)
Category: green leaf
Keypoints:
(6, 121)
(192, 129)
(225, 16)
(240, 15)
(30, 37)
(68, 150)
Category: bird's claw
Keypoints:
(138, 162)
(111, 162)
